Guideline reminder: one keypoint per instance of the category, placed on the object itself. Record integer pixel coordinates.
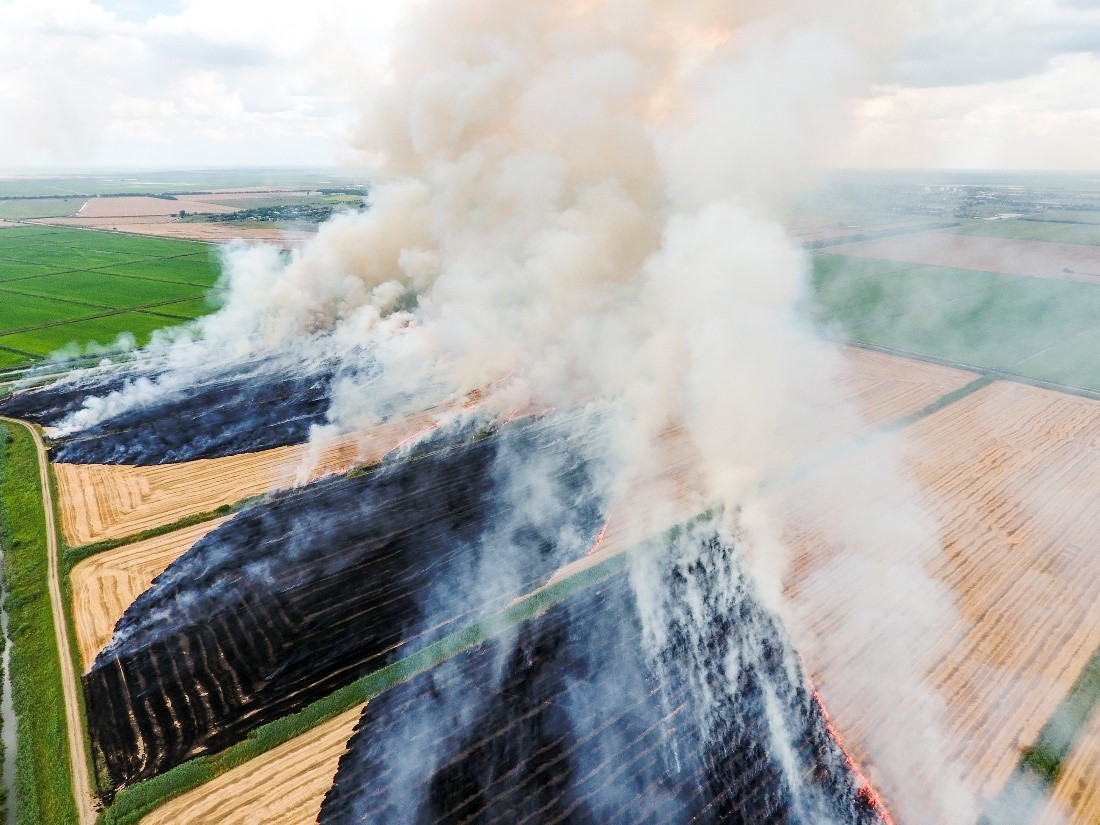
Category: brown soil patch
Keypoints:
(284, 786)
(1075, 799)
(1040, 259)
(1009, 474)
(141, 207)
(104, 585)
(163, 226)
(109, 501)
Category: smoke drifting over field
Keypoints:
(579, 201)
(573, 721)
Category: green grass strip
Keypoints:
(72, 556)
(43, 781)
(134, 802)
(940, 403)
(1024, 795)
(818, 460)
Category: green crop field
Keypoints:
(1061, 230)
(1038, 328)
(69, 288)
(23, 209)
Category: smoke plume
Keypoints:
(580, 200)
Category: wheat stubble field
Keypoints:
(1009, 475)
(284, 786)
(104, 585)
(882, 387)
(111, 501)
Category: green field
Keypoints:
(43, 780)
(1037, 328)
(1061, 231)
(69, 288)
(24, 209)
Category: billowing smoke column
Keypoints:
(578, 201)
(578, 718)
(298, 596)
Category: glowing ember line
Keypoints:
(599, 540)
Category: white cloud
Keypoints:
(1049, 120)
(218, 82)
(987, 83)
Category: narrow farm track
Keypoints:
(1008, 477)
(78, 757)
(1075, 798)
(104, 585)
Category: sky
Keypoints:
(998, 84)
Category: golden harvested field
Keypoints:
(102, 501)
(877, 389)
(883, 387)
(284, 786)
(104, 585)
(1040, 259)
(1075, 799)
(1009, 474)
(887, 387)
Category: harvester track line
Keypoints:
(78, 756)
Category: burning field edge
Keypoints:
(133, 803)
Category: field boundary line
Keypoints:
(81, 302)
(1004, 375)
(874, 236)
(78, 756)
(104, 270)
(145, 309)
(1042, 763)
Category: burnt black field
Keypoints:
(302, 594)
(569, 720)
(219, 411)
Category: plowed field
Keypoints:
(104, 585)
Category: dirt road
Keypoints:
(82, 784)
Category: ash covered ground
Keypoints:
(300, 595)
(216, 410)
(580, 716)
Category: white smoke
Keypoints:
(583, 197)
